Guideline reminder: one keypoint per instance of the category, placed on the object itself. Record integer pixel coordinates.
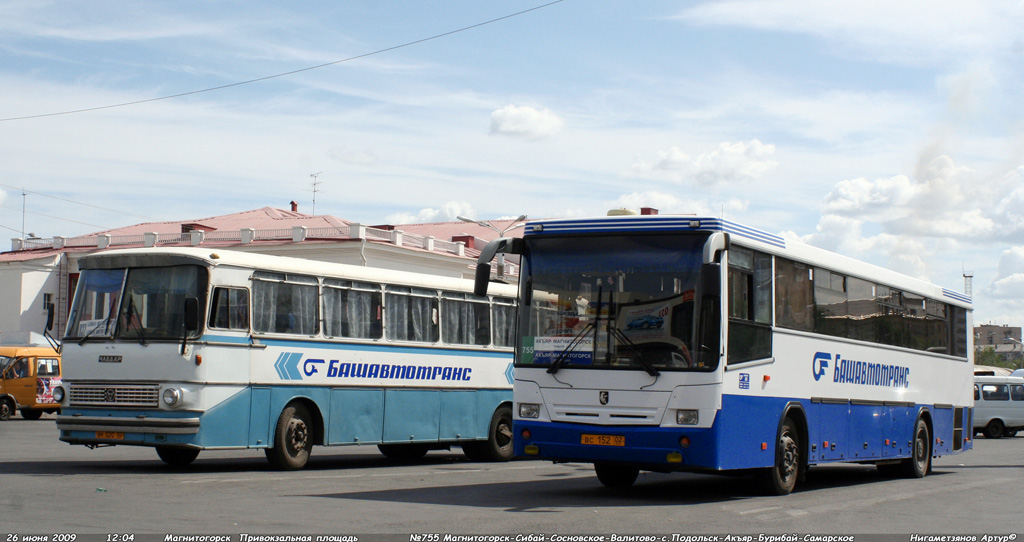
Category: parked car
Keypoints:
(28, 375)
(998, 405)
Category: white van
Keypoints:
(998, 405)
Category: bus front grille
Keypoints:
(114, 395)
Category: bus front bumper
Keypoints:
(656, 448)
(137, 428)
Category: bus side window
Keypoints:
(230, 309)
(466, 319)
(285, 303)
(410, 314)
(504, 317)
(352, 309)
(794, 298)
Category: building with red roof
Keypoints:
(38, 272)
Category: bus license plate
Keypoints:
(602, 440)
(110, 435)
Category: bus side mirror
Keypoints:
(191, 314)
(709, 319)
(483, 276)
(504, 245)
(49, 316)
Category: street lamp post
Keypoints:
(1011, 339)
(517, 223)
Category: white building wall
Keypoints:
(10, 298)
(34, 284)
(22, 285)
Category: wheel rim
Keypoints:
(298, 435)
(921, 448)
(788, 459)
(503, 434)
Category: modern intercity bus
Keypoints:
(189, 349)
(668, 343)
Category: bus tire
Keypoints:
(177, 457)
(781, 478)
(995, 429)
(6, 408)
(616, 476)
(31, 414)
(920, 460)
(293, 439)
(403, 452)
(498, 446)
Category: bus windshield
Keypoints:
(617, 301)
(134, 304)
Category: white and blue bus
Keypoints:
(666, 343)
(193, 349)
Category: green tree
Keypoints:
(989, 357)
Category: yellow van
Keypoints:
(28, 375)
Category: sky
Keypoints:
(891, 132)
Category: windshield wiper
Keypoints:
(132, 311)
(640, 356)
(557, 364)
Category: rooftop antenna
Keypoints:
(24, 197)
(968, 282)
(316, 183)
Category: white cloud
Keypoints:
(942, 201)
(1009, 279)
(525, 122)
(446, 213)
(912, 32)
(730, 162)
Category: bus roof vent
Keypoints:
(623, 212)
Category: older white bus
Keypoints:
(192, 349)
(668, 343)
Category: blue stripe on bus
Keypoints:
(358, 347)
(369, 415)
(656, 224)
(956, 295)
(835, 433)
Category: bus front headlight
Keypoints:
(529, 410)
(172, 397)
(58, 394)
(686, 417)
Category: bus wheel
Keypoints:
(994, 429)
(616, 476)
(177, 457)
(781, 479)
(403, 452)
(498, 446)
(30, 414)
(292, 439)
(920, 460)
(6, 409)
